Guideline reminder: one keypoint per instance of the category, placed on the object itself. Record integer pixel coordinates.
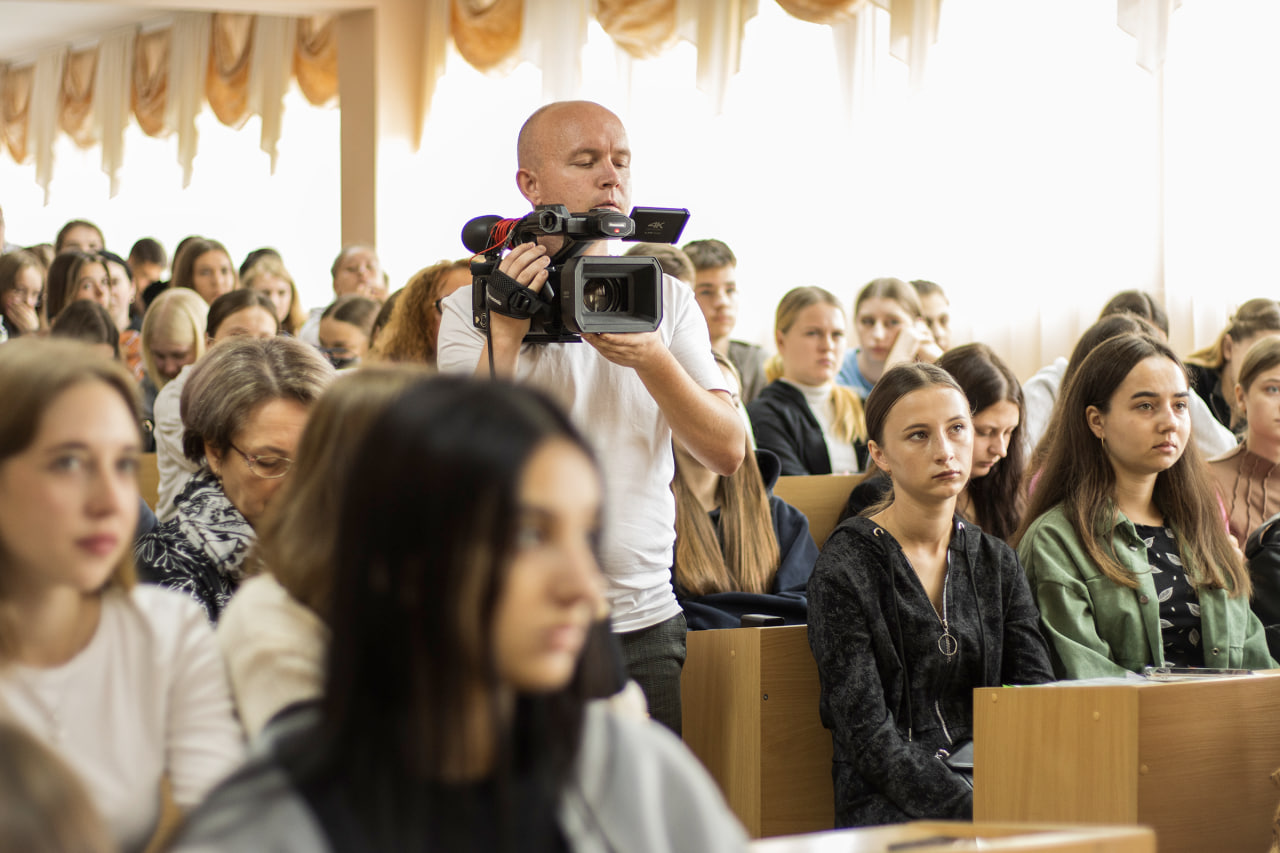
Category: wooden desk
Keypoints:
(1192, 759)
(987, 836)
(750, 699)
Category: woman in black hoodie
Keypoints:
(911, 609)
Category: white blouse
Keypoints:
(147, 697)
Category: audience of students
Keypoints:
(1213, 369)
(994, 497)
(715, 286)
(204, 266)
(1248, 476)
(911, 609)
(466, 581)
(243, 410)
(21, 291)
(267, 275)
(935, 310)
(1123, 540)
(345, 329)
(403, 573)
(891, 329)
(122, 681)
(739, 548)
(274, 634)
(240, 313)
(79, 235)
(89, 323)
(812, 425)
(413, 325)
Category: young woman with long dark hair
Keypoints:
(912, 608)
(466, 585)
(1124, 542)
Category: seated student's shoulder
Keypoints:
(639, 786)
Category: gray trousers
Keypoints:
(654, 658)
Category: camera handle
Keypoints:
(508, 297)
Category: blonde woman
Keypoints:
(1213, 369)
(891, 328)
(268, 275)
(813, 425)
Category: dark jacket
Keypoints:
(783, 423)
(889, 695)
(787, 597)
(1207, 382)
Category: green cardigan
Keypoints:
(1096, 627)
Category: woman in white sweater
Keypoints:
(123, 682)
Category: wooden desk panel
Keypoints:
(1192, 759)
(750, 699)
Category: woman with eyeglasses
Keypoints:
(244, 408)
(240, 313)
(345, 329)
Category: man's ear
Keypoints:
(1096, 421)
(527, 182)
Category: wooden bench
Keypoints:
(821, 497)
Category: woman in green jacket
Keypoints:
(1125, 546)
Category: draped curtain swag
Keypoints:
(242, 64)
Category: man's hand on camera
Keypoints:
(637, 350)
(527, 264)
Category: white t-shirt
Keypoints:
(147, 697)
(175, 469)
(275, 650)
(628, 431)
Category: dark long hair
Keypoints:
(1078, 475)
(422, 551)
(997, 498)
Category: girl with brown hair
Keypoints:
(122, 680)
(411, 331)
(739, 549)
(1248, 476)
(891, 328)
(812, 425)
(1124, 543)
(912, 608)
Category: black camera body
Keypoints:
(582, 294)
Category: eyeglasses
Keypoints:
(266, 467)
(339, 357)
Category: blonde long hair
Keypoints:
(1256, 315)
(849, 423)
(744, 555)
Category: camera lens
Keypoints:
(604, 295)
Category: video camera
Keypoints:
(582, 294)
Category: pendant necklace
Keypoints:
(947, 643)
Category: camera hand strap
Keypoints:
(510, 298)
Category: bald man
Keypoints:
(628, 393)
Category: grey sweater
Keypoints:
(635, 788)
(891, 698)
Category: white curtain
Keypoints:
(188, 69)
(111, 108)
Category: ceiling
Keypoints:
(29, 26)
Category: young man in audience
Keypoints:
(715, 287)
(356, 271)
(629, 393)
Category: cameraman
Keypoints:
(627, 392)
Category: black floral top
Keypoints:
(1179, 605)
